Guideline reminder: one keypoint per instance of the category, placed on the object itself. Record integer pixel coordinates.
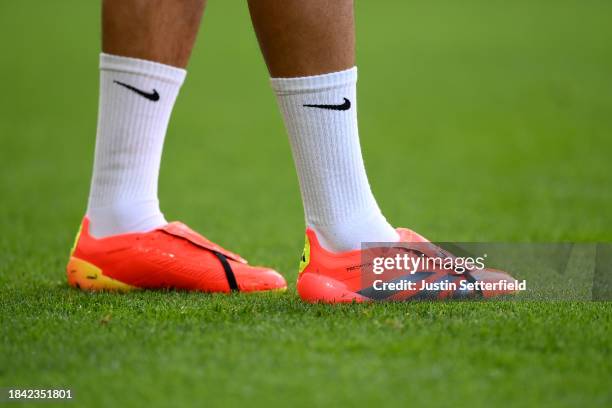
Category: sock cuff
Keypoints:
(151, 69)
(287, 86)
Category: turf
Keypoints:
(480, 120)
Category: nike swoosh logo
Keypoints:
(152, 96)
(342, 107)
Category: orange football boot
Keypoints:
(172, 256)
(329, 277)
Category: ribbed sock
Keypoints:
(320, 114)
(136, 100)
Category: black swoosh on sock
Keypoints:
(342, 107)
(152, 96)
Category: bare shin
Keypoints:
(156, 30)
(305, 37)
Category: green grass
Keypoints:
(480, 120)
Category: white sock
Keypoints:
(136, 99)
(338, 202)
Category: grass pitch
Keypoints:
(480, 120)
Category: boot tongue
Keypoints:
(408, 235)
(418, 242)
(181, 230)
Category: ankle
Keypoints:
(124, 218)
(351, 234)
